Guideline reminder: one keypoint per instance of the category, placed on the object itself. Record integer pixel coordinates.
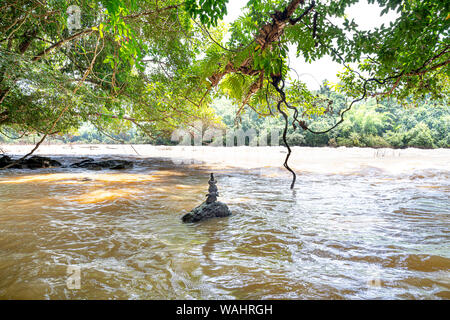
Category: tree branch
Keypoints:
(60, 43)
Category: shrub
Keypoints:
(344, 142)
(332, 143)
(420, 136)
(374, 141)
(395, 139)
(295, 139)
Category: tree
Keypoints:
(420, 136)
(113, 71)
(158, 64)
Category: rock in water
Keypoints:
(35, 162)
(4, 161)
(91, 164)
(211, 208)
(207, 211)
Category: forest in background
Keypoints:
(370, 124)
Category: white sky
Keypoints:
(366, 15)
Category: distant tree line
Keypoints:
(375, 124)
(369, 124)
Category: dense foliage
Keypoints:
(128, 64)
(370, 124)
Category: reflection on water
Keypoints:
(366, 233)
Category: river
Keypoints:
(359, 224)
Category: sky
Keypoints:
(366, 15)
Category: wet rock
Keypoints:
(207, 211)
(213, 192)
(91, 164)
(35, 162)
(211, 208)
(4, 161)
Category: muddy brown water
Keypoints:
(359, 233)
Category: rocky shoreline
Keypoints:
(38, 162)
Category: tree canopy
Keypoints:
(159, 64)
